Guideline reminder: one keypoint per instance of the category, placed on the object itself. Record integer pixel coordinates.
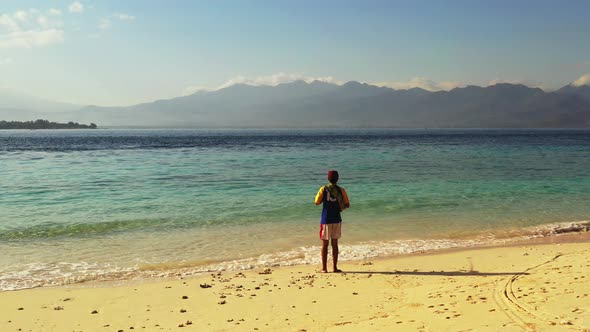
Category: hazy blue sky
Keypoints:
(124, 52)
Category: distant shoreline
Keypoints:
(44, 124)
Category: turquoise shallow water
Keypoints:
(102, 204)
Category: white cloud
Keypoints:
(189, 90)
(123, 17)
(423, 83)
(26, 29)
(49, 22)
(275, 79)
(76, 7)
(104, 23)
(54, 12)
(582, 80)
(21, 15)
(43, 21)
(7, 22)
(28, 39)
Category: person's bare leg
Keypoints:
(325, 255)
(335, 254)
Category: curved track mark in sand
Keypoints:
(517, 311)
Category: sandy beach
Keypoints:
(540, 285)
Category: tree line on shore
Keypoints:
(44, 124)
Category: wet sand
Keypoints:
(541, 285)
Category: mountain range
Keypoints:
(318, 104)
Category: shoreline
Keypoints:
(303, 256)
(571, 237)
(536, 285)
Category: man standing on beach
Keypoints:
(334, 200)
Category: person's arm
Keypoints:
(345, 198)
(319, 198)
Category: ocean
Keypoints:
(129, 204)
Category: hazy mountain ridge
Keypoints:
(581, 91)
(353, 104)
(10, 99)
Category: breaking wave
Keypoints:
(63, 273)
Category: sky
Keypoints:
(112, 52)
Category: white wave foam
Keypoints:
(368, 250)
(60, 273)
(55, 274)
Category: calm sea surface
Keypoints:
(122, 204)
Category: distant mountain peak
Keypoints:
(10, 98)
(295, 83)
(513, 86)
(576, 90)
(466, 88)
(318, 82)
(507, 85)
(237, 86)
(354, 83)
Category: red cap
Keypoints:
(333, 176)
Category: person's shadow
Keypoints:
(440, 273)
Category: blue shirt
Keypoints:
(331, 208)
